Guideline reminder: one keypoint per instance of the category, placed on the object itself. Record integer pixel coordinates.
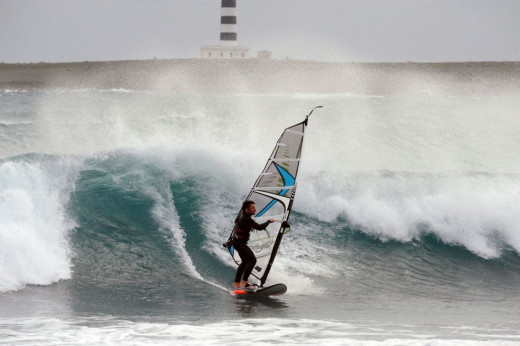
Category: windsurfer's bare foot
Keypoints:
(236, 284)
(243, 284)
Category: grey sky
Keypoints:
(328, 30)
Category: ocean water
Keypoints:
(114, 205)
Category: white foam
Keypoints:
(117, 91)
(34, 224)
(13, 91)
(287, 331)
(474, 210)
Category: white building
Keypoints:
(228, 48)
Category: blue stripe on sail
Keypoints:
(266, 208)
(288, 180)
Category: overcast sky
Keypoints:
(327, 30)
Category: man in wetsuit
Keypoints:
(243, 225)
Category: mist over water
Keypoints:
(122, 199)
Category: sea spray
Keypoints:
(34, 222)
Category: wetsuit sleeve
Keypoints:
(259, 226)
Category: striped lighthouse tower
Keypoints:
(228, 23)
(228, 47)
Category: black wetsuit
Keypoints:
(244, 224)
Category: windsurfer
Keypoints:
(243, 225)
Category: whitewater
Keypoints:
(114, 205)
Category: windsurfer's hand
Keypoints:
(271, 220)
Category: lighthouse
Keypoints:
(228, 23)
(228, 47)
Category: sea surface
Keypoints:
(114, 205)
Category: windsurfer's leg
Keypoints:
(241, 249)
(250, 264)
(240, 271)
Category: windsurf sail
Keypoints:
(273, 194)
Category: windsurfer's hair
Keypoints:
(246, 205)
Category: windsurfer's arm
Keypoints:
(262, 225)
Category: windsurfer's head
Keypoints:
(249, 207)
